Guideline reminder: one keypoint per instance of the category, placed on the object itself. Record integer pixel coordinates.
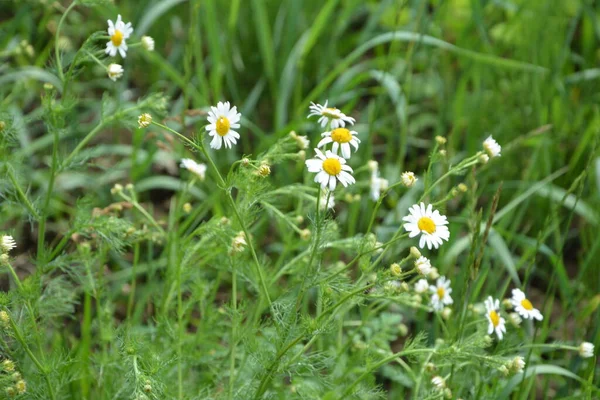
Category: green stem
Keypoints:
(460, 166)
(233, 329)
(21, 194)
(56, 41)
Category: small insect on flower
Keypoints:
(330, 168)
(119, 32)
(144, 120)
(408, 179)
(491, 147)
(329, 114)
(497, 323)
(586, 350)
(115, 71)
(148, 43)
(223, 120)
(423, 265)
(7, 243)
(429, 223)
(523, 306)
(198, 169)
(441, 294)
(341, 138)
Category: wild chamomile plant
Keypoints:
(181, 217)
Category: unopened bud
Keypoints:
(395, 269)
(305, 234)
(264, 170)
(484, 158)
(187, 208)
(462, 187)
(440, 140)
(414, 252)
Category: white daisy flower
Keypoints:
(329, 114)
(119, 32)
(341, 138)
(148, 43)
(7, 243)
(194, 167)
(524, 306)
(423, 265)
(586, 350)
(330, 168)
(497, 323)
(408, 179)
(223, 119)
(441, 294)
(115, 71)
(491, 147)
(377, 185)
(429, 223)
(326, 200)
(421, 286)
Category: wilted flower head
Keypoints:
(198, 169)
(586, 350)
(491, 147)
(421, 286)
(7, 243)
(423, 265)
(115, 71)
(238, 243)
(148, 43)
(438, 382)
(408, 179)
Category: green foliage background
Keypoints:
(522, 71)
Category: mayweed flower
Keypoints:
(524, 306)
(330, 168)
(326, 201)
(396, 269)
(586, 350)
(423, 265)
(223, 119)
(441, 294)
(144, 120)
(497, 323)
(115, 71)
(515, 319)
(517, 365)
(341, 138)
(302, 141)
(7, 243)
(421, 286)
(491, 147)
(438, 382)
(329, 115)
(238, 243)
(8, 365)
(429, 223)
(305, 234)
(264, 170)
(192, 166)
(408, 179)
(118, 32)
(377, 185)
(148, 43)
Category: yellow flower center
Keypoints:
(527, 304)
(330, 112)
(426, 224)
(441, 292)
(495, 318)
(117, 38)
(341, 135)
(222, 126)
(332, 166)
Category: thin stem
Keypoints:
(56, 41)
(21, 194)
(233, 329)
(460, 166)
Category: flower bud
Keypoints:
(144, 120)
(414, 252)
(395, 269)
(440, 140)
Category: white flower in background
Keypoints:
(421, 286)
(119, 32)
(223, 119)
(326, 200)
(429, 223)
(7, 243)
(115, 71)
(497, 323)
(517, 365)
(194, 167)
(330, 168)
(144, 120)
(433, 274)
(341, 138)
(515, 319)
(329, 114)
(524, 306)
(408, 179)
(302, 141)
(438, 382)
(441, 294)
(491, 147)
(423, 265)
(377, 185)
(373, 165)
(238, 243)
(586, 350)
(148, 43)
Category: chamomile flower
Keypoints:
(329, 115)
(441, 294)
(586, 350)
(119, 32)
(148, 43)
(377, 185)
(198, 169)
(7, 243)
(497, 323)
(223, 120)
(144, 120)
(421, 286)
(408, 179)
(523, 306)
(115, 71)
(341, 138)
(429, 223)
(491, 147)
(330, 168)
(423, 265)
